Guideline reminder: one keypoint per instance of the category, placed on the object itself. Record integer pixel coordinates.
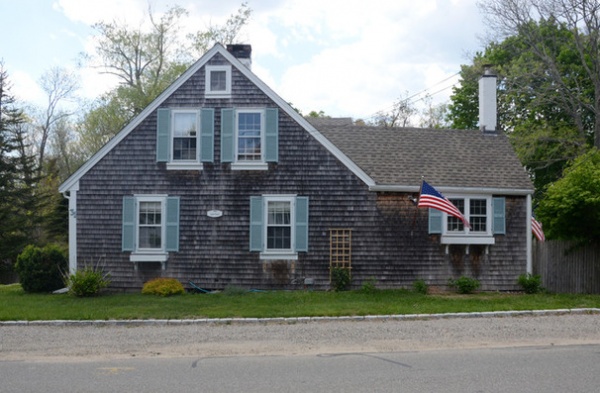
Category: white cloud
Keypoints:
(25, 88)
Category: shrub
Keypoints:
(420, 286)
(163, 287)
(464, 285)
(369, 285)
(87, 282)
(530, 284)
(340, 278)
(40, 269)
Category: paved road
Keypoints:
(515, 369)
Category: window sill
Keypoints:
(487, 240)
(184, 166)
(217, 95)
(261, 166)
(149, 257)
(288, 256)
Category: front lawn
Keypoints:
(18, 305)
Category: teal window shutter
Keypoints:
(271, 135)
(163, 137)
(172, 224)
(256, 224)
(128, 231)
(499, 218)
(301, 224)
(227, 133)
(207, 135)
(435, 221)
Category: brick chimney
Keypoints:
(242, 52)
(488, 118)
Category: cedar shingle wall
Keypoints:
(389, 239)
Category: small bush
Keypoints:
(87, 282)
(369, 285)
(464, 285)
(163, 287)
(420, 286)
(530, 284)
(40, 269)
(340, 278)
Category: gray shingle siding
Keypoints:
(389, 241)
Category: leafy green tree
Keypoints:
(547, 128)
(571, 207)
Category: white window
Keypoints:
(279, 228)
(150, 227)
(478, 212)
(249, 139)
(218, 81)
(185, 136)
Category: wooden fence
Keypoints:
(565, 269)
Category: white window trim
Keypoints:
(184, 164)
(150, 254)
(290, 254)
(221, 93)
(466, 236)
(249, 165)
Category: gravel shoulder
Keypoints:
(64, 342)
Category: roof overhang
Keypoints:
(454, 190)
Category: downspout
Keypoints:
(528, 237)
(72, 197)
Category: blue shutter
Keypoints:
(256, 224)
(271, 135)
(172, 224)
(301, 224)
(227, 134)
(163, 134)
(435, 221)
(128, 224)
(499, 217)
(207, 135)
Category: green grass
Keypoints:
(18, 305)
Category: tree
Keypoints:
(18, 201)
(578, 22)
(571, 207)
(59, 85)
(537, 116)
(399, 116)
(145, 62)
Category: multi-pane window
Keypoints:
(478, 215)
(455, 224)
(249, 136)
(218, 80)
(185, 135)
(150, 225)
(279, 225)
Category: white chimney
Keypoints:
(487, 101)
(242, 52)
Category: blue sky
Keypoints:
(345, 57)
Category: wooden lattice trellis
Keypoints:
(340, 249)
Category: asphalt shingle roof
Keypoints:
(448, 158)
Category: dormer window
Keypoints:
(218, 81)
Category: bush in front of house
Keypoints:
(340, 278)
(40, 269)
(464, 285)
(163, 287)
(87, 282)
(531, 284)
(420, 286)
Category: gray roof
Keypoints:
(319, 122)
(446, 158)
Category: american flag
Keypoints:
(536, 228)
(430, 197)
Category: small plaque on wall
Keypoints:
(214, 213)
